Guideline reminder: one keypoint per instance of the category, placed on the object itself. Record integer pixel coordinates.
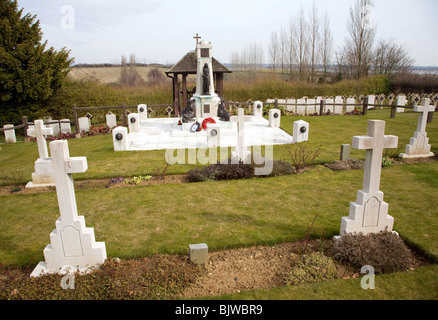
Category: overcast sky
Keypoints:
(161, 31)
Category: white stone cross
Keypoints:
(61, 166)
(369, 213)
(424, 110)
(72, 243)
(374, 143)
(40, 131)
(241, 150)
(419, 146)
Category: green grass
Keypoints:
(138, 221)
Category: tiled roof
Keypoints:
(188, 65)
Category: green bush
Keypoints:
(385, 251)
(311, 268)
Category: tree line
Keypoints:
(304, 49)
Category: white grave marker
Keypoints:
(40, 179)
(300, 131)
(257, 109)
(241, 153)
(10, 134)
(111, 120)
(419, 146)
(401, 101)
(274, 118)
(72, 243)
(142, 112)
(369, 214)
(84, 124)
(65, 127)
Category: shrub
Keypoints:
(385, 251)
(311, 268)
(220, 171)
(301, 156)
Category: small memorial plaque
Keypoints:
(205, 53)
(206, 108)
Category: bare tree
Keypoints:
(291, 47)
(274, 50)
(129, 75)
(391, 59)
(283, 49)
(358, 46)
(326, 45)
(314, 38)
(302, 43)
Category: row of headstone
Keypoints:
(333, 105)
(63, 127)
(73, 245)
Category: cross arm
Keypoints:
(367, 142)
(76, 165)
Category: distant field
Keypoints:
(106, 74)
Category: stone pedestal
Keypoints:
(300, 131)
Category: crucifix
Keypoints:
(241, 150)
(72, 243)
(419, 146)
(40, 131)
(374, 143)
(369, 213)
(197, 38)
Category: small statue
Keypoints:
(189, 112)
(205, 80)
(222, 113)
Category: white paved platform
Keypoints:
(165, 133)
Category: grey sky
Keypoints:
(162, 30)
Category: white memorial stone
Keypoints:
(310, 108)
(111, 120)
(84, 124)
(9, 134)
(206, 99)
(241, 152)
(371, 101)
(301, 107)
(133, 123)
(339, 105)
(274, 118)
(257, 109)
(213, 135)
(120, 138)
(350, 105)
(71, 243)
(400, 101)
(419, 146)
(329, 105)
(291, 108)
(40, 179)
(65, 127)
(369, 214)
(142, 110)
(300, 131)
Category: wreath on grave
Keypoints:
(207, 120)
(195, 127)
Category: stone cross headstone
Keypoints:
(369, 214)
(72, 243)
(40, 179)
(40, 131)
(419, 146)
(242, 153)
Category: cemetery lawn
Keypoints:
(140, 221)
